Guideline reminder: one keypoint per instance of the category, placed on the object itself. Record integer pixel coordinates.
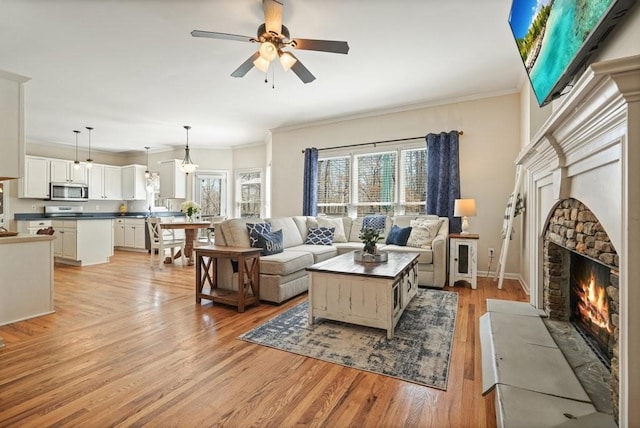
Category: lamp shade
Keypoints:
(464, 208)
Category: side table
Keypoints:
(463, 258)
(207, 259)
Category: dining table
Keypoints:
(190, 235)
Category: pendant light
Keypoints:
(89, 160)
(76, 163)
(187, 164)
(147, 174)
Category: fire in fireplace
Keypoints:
(590, 304)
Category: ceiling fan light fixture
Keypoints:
(261, 64)
(268, 51)
(287, 60)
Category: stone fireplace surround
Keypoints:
(573, 227)
(589, 150)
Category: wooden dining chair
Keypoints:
(162, 240)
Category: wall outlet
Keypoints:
(97, 207)
(34, 207)
(491, 253)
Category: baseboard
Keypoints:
(516, 276)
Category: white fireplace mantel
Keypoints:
(589, 149)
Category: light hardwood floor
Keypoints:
(129, 346)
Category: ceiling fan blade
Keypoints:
(321, 45)
(272, 15)
(245, 66)
(226, 36)
(301, 71)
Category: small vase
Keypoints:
(190, 218)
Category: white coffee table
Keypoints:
(363, 293)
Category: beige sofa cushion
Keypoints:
(290, 233)
(235, 231)
(356, 227)
(335, 222)
(320, 252)
(285, 263)
(426, 254)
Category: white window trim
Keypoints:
(224, 197)
(237, 194)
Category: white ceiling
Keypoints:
(131, 70)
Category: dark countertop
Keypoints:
(95, 216)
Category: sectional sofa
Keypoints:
(283, 275)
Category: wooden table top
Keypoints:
(219, 250)
(344, 264)
(185, 225)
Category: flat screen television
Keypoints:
(556, 38)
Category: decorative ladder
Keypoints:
(507, 227)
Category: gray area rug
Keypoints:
(419, 351)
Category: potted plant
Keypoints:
(370, 237)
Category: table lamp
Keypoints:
(464, 208)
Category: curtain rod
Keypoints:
(376, 142)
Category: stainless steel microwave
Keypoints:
(69, 192)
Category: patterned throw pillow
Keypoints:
(270, 242)
(320, 236)
(399, 235)
(338, 234)
(423, 232)
(254, 229)
(377, 222)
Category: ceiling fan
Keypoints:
(273, 38)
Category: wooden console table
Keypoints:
(248, 259)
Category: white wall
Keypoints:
(490, 143)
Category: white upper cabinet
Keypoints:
(105, 183)
(35, 181)
(63, 171)
(11, 125)
(134, 183)
(173, 181)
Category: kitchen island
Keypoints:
(26, 277)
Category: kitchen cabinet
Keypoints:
(105, 183)
(35, 181)
(63, 171)
(11, 124)
(134, 232)
(83, 242)
(173, 181)
(65, 245)
(118, 232)
(134, 183)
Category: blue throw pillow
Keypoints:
(320, 235)
(399, 235)
(377, 222)
(254, 229)
(270, 242)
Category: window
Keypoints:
(333, 185)
(413, 194)
(249, 193)
(376, 178)
(390, 182)
(211, 194)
